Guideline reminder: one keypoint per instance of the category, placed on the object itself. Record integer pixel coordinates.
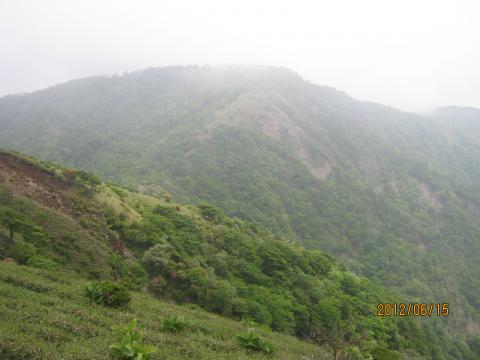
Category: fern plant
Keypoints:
(252, 340)
(175, 323)
(129, 346)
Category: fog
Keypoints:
(413, 55)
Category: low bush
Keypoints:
(252, 340)
(21, 251)
(41, 262)
(175, 323)
(108, 293)
(385, 354)
(129, 346)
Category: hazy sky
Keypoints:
(410, 54)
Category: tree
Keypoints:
(13, 220)
(88, 179)
(274, 263)
(158, 259)
(220, 298)
(211, 213)
(321, 263)
(328, 328)
(338, 338)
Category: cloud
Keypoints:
(410, 54)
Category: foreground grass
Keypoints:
(45, 316)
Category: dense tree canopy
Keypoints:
(392, 195)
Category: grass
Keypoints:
(118, 204)
(69, 244)
(44, 315)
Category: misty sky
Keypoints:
(413, 55)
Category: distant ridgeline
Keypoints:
(68, 221)
(394, 196)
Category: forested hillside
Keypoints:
(394, 195)
(65, 227)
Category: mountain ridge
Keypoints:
(393, 194)
(128, 237)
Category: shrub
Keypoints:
(88, 178)
(350, 285)
(129, 346)
(320, 263)
(108, 293)
(121, 194)
(211, 213)
(219, 299)
(131, 274)
(158, 285)
(252, 340)
(21, 251)
(158, 259)
(41, 262)
(385, 354)
(175, 323)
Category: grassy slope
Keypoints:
(40, 322)
(45, 316)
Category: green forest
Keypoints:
(195, 255)
(257, 195)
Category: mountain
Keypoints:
(394, 195)
(61, 228)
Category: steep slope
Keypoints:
(66, 226)
(44, 316)
(41, 197)
(395, 195)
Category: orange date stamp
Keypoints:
(415, 309)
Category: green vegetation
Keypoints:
(393, 196)
(17, 222)
(108, 293)
(129, 346)
(175, 323)
(44, 315)
(199, 256)
(251, 340)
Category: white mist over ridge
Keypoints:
(410, 55)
